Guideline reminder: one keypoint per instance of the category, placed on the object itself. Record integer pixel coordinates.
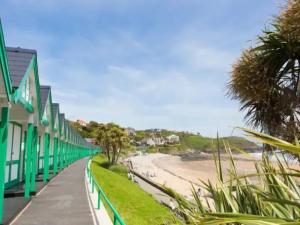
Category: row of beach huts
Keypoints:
(36, 140)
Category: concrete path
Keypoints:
(64, 201)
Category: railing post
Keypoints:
(115, 219)
(46, 157)
(4, 126)
(28, 163)
(99, 198)
(55, 153)
(62, 157)
(93, 184)
(34, 158)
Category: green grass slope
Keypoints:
(135, 206)
(201, 143)
(195, 142)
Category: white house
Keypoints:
(148, 141)
(172, 138)
(159, 141)
(130, 131)
(82, 123)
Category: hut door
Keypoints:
(13, 154)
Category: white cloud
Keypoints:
(197, 55)
(98, 78)
(183, 108)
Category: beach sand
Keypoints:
(173, 172)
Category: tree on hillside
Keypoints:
(265, 79)
(112, 138)
(81, 129)
(87, 130)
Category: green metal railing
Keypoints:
(101, 195)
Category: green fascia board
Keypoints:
(57, 129)
(51, 109)
(18, 93)
(61, 125)
(61, 128)
(26, 105)
(65, 130)
(56, 117)
(70, 131)
(58, 125)
(45, 121)
(37, 86)
(4, 65)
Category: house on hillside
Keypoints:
(172, 138)
(159, 140)
(153, 141)
(82, 123)
(130, 131)
(91, 141)
(148, 142)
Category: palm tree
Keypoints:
(112, 138)
(265, 79)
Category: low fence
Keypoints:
(102, 196)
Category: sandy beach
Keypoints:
(178, 174)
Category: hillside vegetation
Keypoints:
(196, 142)
(188, 141)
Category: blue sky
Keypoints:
(143, 64)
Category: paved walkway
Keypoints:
(63, 202)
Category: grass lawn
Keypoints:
(135, 206)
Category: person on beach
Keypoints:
(130, 176)
(199, 192)
(130, 164)
(171, 204)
